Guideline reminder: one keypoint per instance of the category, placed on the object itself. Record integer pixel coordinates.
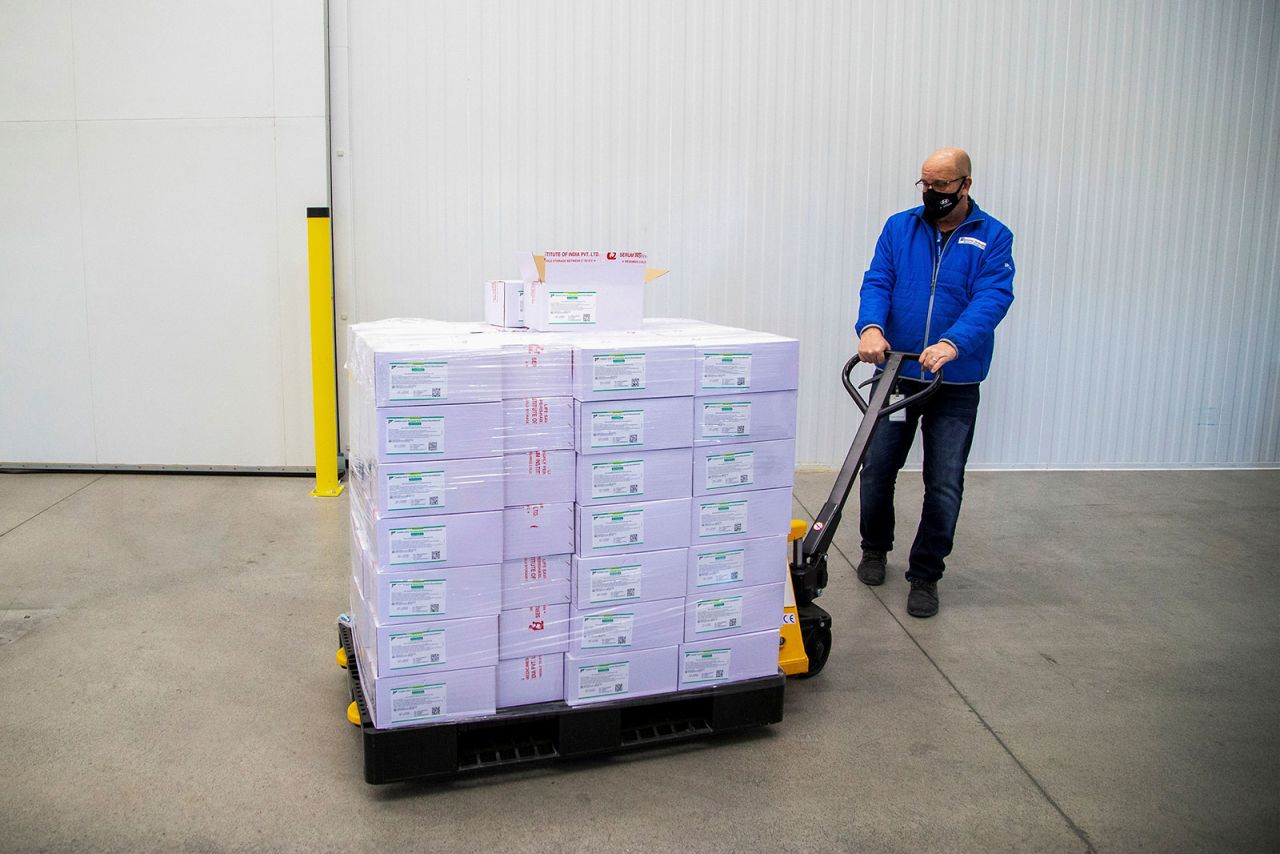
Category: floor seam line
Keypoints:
(1080, 832)
(53, 505)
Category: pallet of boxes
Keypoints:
(568, 524)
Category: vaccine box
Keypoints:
(459, 592)
(731, 659)
(647, 424)
(405, 433)
(717, 567)
(535, 581)
(413, 647)
(630, 475)
(537, 424)
(620, 675)
(735, 612)
(461, 539)
(411, 363)
(427, 698)
(432, 487)
(632, 367)
(603, 307)
(636, 577)
(537, 368)
(740, 515)
(753, 465)
(639, 625)
(746, 361)
(641, 526)
(720, 419)
(533, 630)
(531, 679)
(504, 303)
(540, 477)
(537, 529)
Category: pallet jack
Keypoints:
(806, 627)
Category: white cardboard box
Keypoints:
(727, 419)
(429, 645)
(406, 433)
(537, 529)
(717, 567)
(540, 477)
(536, 580)
(533, 630)
(504, 303)
(537, 424)
(634, 475)
(425, 363)
(752, 465)
(735, 612)
(631, 366)
(638, 577)
(636, 625)
(603, 307)
(537, 366)
(731, 659)
(451, 695)
(413, 596)
(462, 539)
(432, 487)
(648, 424)
(620, 674)
(738, 360)
(641, 526)
(529, 680)
(740, 516)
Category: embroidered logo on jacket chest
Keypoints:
(972, 241)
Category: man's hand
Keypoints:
(872, 346)
(936, 356)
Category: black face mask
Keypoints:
(938, 205)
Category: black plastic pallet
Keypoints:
(551, 731)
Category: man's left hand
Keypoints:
(936, 356)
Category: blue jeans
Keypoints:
(947, 419)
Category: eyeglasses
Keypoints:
(938, 186)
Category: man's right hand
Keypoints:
(872, 346)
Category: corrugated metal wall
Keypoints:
(756, 148)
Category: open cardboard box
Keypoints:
(585, 290)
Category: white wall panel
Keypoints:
(757, 147)
(36, 82)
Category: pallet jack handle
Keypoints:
(809, 568)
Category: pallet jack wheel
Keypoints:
(341, 658)
(353, 714)
(817, 646)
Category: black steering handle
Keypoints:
(894, 358)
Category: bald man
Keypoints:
(940, 282)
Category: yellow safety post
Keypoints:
(324, 391)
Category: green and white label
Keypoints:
(603, 680)
(418, 381)
(726, 420)
(617, 428)
(410, 650)
(722, 567)
(726, 471)
(426, 544)
(726, 370)
(719, 615)
(415, 435)
(415, 490)
(618, 372)
(615, 584)
(417, 597)
(571, 308)
(418, 702)
(706, 665)
(617, 530)
(617, 479)
(722, 519)
(607, 631)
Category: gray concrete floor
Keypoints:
(1104, 675)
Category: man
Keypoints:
(940, 281)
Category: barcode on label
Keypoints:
(433, 501)
(635, 382)
(742, 380)
(435, 607)
(435, 710)
(435, 391)
(586, 317)
(737, 526)
(622, 640)
(435, 657)
(741, 429)
(631, 591)
(435, 555)
(720, 673)
(633, 538)
(634, 487)
(634, 439)
(435, 446)
(617, 687)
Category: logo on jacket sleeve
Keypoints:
(973, 241)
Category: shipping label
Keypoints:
(725, 471)
(615, 584)
(617, 429)
(618, 529)
(722, 567)
(418, 702)
(607, 631)
(719, 615)
(419, 381)
(426, 544)
(726, 420)
(418, 490)
(418, 597)
(618, 372)
(617, 479)
(415, 435)
(722, 519)
(571, 308)
(603, 680)
(706, 665)
(726, 370)
(417, 649)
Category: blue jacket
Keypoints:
(973, 290)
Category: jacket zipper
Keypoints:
(933, 285)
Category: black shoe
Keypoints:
(871, 568)
(922, 601)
